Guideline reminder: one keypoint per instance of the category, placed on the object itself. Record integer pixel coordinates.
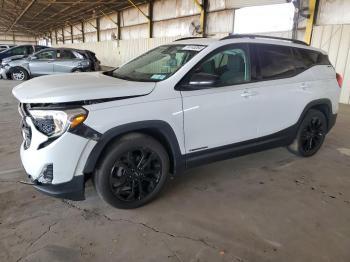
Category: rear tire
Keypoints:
(132, 172)
(19, 74)
(311, 134)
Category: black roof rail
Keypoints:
(190, 37)
(233, 36)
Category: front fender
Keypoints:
(160, 130)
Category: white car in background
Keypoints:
(177, 106)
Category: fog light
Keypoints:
(46, 175)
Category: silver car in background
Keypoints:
(45, 62)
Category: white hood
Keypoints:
(78, 87)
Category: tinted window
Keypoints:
(30, 50)
(46, 54)
(21, 50)
(66, 54)
(38, 47)
(276, 61)
(230, 66)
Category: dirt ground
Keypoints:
(268, 206)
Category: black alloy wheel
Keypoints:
(135, 174)
(311, 134)
(132, 171)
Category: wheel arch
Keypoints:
(322, 105)
(18, 67)
(159, 130)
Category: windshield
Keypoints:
(157, 64)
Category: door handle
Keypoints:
(249, 93)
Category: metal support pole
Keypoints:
(150, 19)
(63, 35)
(71, 34)
(203, 17)
(56, 37)
(310, 21)
(83, 31)
(119, 27)
(98, 28)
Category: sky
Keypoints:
(268, 18)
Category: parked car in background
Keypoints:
(21, 50)
(95, 64)
(5, 47)
(46, 62)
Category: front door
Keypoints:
(222, 108)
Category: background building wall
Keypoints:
(16, 39)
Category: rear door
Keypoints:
(42, 63)
(284, 87)
(66, 61)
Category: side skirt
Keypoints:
(282, 138)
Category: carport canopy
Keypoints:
(37, 17)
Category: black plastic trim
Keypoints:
(73, 190)
(86, 132)
(235, 36)
(150, 127)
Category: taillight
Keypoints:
(339, 80)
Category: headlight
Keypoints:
(54, 123)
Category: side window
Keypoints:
(276, 61)
(21, 50)
(30, 50)
(66, 55)
(38, 47)
(229, 66)
(45, 55)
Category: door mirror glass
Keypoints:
(203, 79)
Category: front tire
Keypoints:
(311, 134)
(132, 172)
(19, 74)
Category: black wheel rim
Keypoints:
(135, 174)
(312, 135)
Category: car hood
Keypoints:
(78, 87)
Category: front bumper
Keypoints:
(3, 73)
(61, 160)
(72, 190)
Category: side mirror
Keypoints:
(33, 58)
(203, 80)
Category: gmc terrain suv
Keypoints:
(177, 106)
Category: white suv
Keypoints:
(177, 106)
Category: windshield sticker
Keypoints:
(193, 47)
(158, 77)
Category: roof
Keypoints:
(40, 16)
(245, 39)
